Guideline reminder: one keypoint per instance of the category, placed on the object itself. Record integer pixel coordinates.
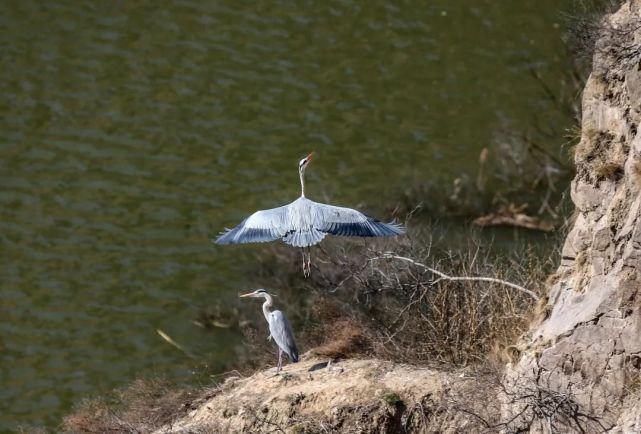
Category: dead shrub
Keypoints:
(600, 156)
(585, 25)
(343, 338)
(145, 405)
(485, 401)
(360, 302)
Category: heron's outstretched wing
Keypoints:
(283, 335)
(348, 222)
(260, 227)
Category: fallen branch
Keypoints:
(443, 276)
(512, 215)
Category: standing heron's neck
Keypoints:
(302, 182)
(266, 305)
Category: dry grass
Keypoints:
(143, 406)
(601, 156)
(358, 303)
(609, 170)
(635, 172)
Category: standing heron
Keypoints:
(279, 328)
(304, 223)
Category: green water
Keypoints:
(131, 132)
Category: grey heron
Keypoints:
(304, 223)
(279, 328)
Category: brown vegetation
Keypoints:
(143, 406)
(371, 304)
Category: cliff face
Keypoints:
(587, 348)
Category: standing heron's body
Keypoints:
(304, 223)
(279, 329)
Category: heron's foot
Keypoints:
(269, 338)
(284, 376)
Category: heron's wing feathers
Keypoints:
(348, 222)
(283, 335)
(304, 223)
(260, 227)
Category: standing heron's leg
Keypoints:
(280, 360)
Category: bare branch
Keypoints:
(443, 276)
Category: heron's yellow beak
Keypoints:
(247, 295)
(309, 157)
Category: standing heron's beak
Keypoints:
(247, 295)
(309, 157)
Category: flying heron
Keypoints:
(279, 328)
(304, 223)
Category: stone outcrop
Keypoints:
(586, 349)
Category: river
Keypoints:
(131, 132)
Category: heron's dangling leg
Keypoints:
(280, 360)
(307, 269)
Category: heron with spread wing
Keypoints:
(279, 328)
(304, 223)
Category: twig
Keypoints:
(172, 342)
(443, 276)
(267, 420)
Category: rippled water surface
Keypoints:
(132, 131)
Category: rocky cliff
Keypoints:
(586, 348)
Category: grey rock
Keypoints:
(588, 350)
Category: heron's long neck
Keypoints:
(301, 173)
(266, 305)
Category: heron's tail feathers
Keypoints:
(294, 355)
(304, 238)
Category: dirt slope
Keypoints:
(350, 396)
